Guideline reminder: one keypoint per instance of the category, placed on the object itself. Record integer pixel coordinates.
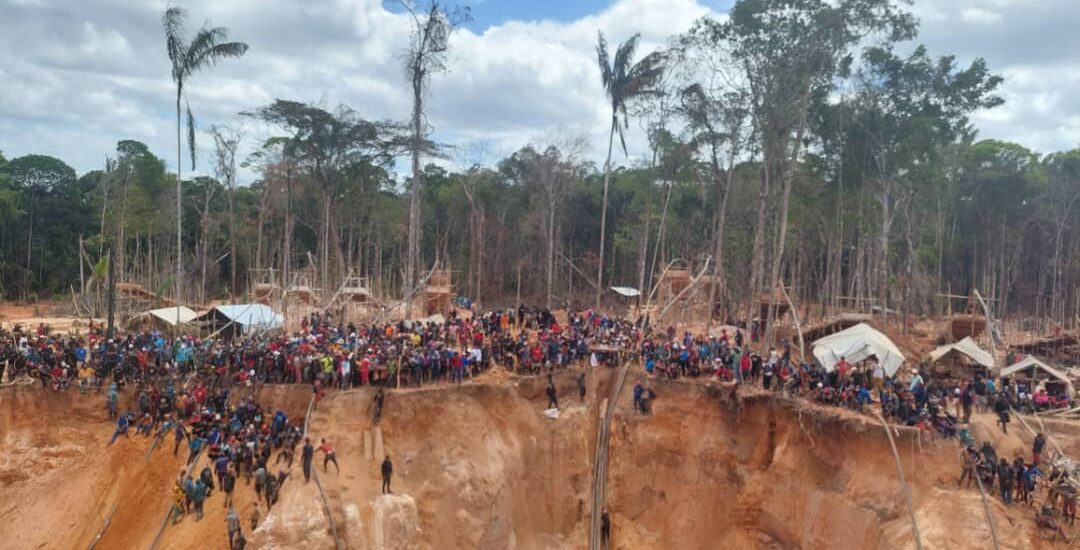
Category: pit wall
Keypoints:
(481, 466)
(708, 471)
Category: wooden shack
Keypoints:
(672, 283)
(302, 290)
(439, 294)
(265, 285)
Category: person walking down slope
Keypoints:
(198, 496)
(387, 473)
(256, 515)
(228, 483)
(112, 400)
(1005, 481)
(306, 457)
(207, 478)
(232, 519)
(327, 449)
(969, 460)
(181, 433)
(1037, 448)
(1001, 407)
(380, 398)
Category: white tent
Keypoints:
(626, 292)
(165, 315)
(966, 347)
(1034, 364)
(856, 344)
(247, 318)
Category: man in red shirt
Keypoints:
(842, 368)
(327, 449)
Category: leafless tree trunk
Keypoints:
(204, 245)
(757, 260)
(603, 212)
(413, 254)
(121, 240)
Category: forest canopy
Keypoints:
(809, 143)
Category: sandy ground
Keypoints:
(29, 316)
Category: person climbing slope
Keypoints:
(122, 424)
(327, 449)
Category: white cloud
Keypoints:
(76, 77)
(979, 15)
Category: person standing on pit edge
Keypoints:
(387, 473)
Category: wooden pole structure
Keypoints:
(903, 481)
(798, 326)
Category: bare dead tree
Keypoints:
(226, 142)
(425, 55)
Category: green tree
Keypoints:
(330, 147)
(208, 47)
(624, 82)
(906, 110)
(49, 189)
(9, 198)
(790, 51)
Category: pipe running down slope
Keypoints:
(338, 544)
(601, 463)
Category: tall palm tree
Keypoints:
(205, 49)
(624, 81)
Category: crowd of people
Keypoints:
(329, 354)
(183, 383)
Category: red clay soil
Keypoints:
(480, 466)
(59, 480)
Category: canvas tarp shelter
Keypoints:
(855, 344)
(1034, 364)
(242, 318)
(626, 292)
(166, 316)
(966, 347)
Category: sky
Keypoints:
(76, 76)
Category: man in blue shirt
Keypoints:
(121, 427)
